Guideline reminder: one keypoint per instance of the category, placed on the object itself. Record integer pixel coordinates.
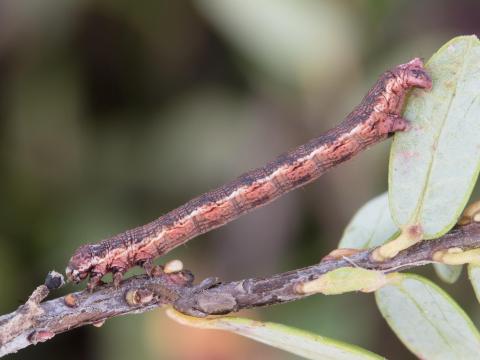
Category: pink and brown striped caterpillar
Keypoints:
(374, 119)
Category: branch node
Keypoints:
(70, 300)
(173, 266)
(137, 297)
(457, 256)
(99, 323)
(40, 336)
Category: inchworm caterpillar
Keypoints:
(374, 119)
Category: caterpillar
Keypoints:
(376, 117)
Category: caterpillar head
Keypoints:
(80, 264)
(413, 74)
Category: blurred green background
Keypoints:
(114, 112)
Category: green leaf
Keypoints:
(434, 165)
(448, 273)
(371, 226)
(427, 320)
(295, 341)
(474, 276)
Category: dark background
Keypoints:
(114, 112)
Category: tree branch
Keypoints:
(38, 321)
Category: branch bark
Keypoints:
(38, 321)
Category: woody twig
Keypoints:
(38, 321)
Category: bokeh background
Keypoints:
(114, 112)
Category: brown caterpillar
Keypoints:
(374, 119)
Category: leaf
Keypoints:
(474, 276)
(371, 226)
(295, 341)
(448, 273)
(427, 320)
(434, 166)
